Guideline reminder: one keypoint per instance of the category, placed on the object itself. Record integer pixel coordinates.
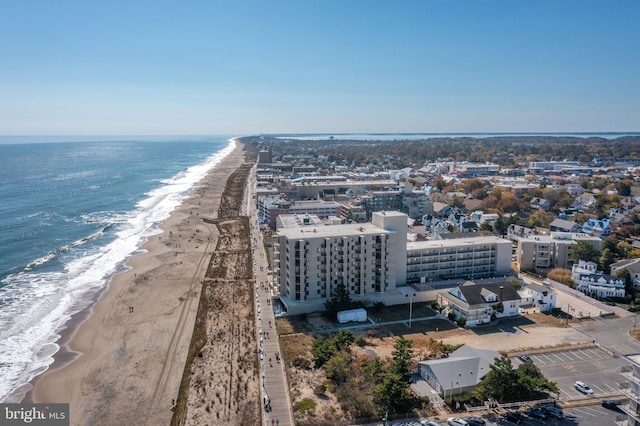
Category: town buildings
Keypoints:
(541, 253)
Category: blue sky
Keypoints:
(240, 67)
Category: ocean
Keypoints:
(72, 210)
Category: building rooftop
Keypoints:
(332, 231)
(471, 240)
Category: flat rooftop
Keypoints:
(456, 242)
(331, 231)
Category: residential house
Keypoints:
(583, 201)
(516, 231)
(540, 204)
(631, 265)
(564, 226)
(600, 228)
(574, 189)
(460, 372)
(480, 303)
(591, 281)
(537, 298)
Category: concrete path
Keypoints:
(274, 387)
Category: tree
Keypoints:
(628, 282)
(339, 301)
(561, 275)
(583, 250)
(505, 384)
(606, 259)
(498, 384)
(338, 368)
(323, 349)
(499, 226)
(531, 383)
(402, 355)
(392, 393)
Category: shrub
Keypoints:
(305, 405)
(301, 362)
(451, 316)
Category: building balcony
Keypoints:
(627, 371)
(627, 409)
(621, 421)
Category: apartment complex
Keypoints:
(470, 257)
(368, 258)
(632, 390)
(541, 253)
(270, 207)
(373, 260)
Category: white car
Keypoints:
(584, 388)
(454, 421)
(429, 423)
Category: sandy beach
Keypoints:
(130, 351)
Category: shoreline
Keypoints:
(127, 349)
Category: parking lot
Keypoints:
(593, 415)
(590, 365)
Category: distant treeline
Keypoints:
(507, 151)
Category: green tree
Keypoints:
(628, 282)
(402, 355)
(338, 367)
(339, 301)
(499, 226)
(583, 250)
(498, 384)
(322, 350)
(606, 259)
(505, 384)
(531, 383)
(392, 393)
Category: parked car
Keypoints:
(454, 421)
(429, 423)
(475, 421)
(536, 413)
(584, 388)
(514, 417)
(611, 404)
(552, 411)
(525, 358)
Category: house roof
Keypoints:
(563, 224)
(633, 265)
(539, 288)
(463, 368)
(474, 293)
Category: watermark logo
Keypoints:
(34, 414)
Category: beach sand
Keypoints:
(130, 352)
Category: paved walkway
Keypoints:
(275, 390)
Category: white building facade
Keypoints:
(311, 262)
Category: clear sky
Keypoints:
(244, 67)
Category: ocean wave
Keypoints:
(37, 305)
(67, 247)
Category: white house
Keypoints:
(480, 303)
(591, 281)
(460, 372)
(537, 297)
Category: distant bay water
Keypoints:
(72, 210)
(418, 136)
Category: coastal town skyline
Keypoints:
(281, 67)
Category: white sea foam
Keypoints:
(37, 305)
